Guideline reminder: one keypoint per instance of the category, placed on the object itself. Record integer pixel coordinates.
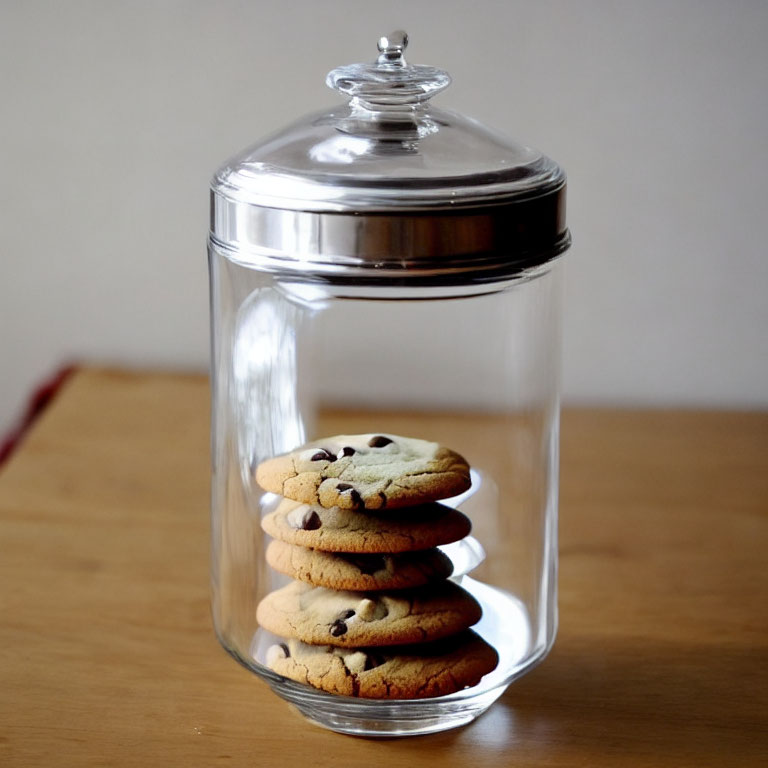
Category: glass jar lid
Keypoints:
(390, 180)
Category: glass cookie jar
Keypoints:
(386, 292)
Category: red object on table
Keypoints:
(36, 404)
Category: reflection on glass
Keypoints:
(265, 393)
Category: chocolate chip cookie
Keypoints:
(359, 571)
(373, 471)
(412, 672)
(349, 530)
(317, 615)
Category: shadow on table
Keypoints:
(614, 704)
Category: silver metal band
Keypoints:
(519, 233)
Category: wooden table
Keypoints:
(107, 656)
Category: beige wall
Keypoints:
(115, 114)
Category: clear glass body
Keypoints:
(475, 368)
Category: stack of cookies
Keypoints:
(370, 611)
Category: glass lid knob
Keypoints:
(390, 81)
(391, 47)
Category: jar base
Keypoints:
(387, 719)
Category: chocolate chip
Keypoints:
(285, 650)
(379, 441)
(348, 614)
(323, 455)
(357, 499)
(338, 628)
(346, 451)
(311, 521)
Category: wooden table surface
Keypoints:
(107, 655)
